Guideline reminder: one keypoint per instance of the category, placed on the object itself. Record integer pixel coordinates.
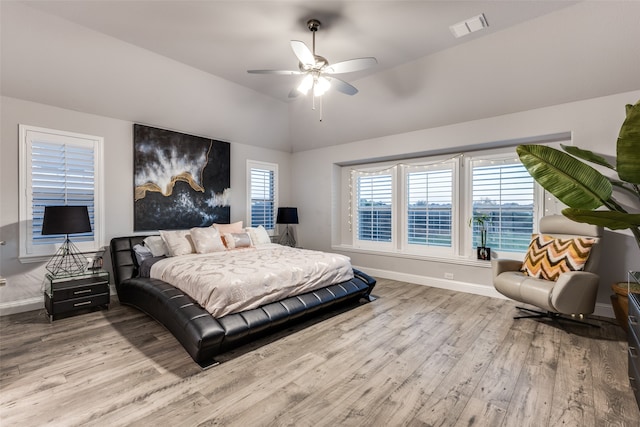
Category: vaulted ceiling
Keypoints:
(182, 64)
(226, 38)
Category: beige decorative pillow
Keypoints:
(236, 227)
(259, 235)
(549, 257)
(237, 240)
(206, 240)
(156, 245)
(179, 242)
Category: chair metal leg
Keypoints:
(554, 317)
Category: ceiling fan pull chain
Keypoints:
(320, 109)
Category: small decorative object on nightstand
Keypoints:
(78, 292)
(287, 216)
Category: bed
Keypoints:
(205, 336)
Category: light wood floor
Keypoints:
(416, 356)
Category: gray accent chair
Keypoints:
(573, 294)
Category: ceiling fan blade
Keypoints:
(342, 86)
(279, 72)
(303, 53)
(351, 65)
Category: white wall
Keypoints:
(594, 125)
(61, 75)
(52, 61)
(24, 281)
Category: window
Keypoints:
(429, 206)
(262, 183)
(374, 207)
(504, 192)
(58, 168)
(423, 206)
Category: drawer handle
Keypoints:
(633, 320)
(633, 352)
(78, 304)
(84, 291)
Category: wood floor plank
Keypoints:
(416, 356)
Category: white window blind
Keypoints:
(503, 190)
(61, 175)
(374, 207)
(262, 192)
(58, 168)
(429, 205)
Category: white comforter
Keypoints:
(233, 281)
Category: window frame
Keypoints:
(28, 252)
(436, 165)
(538, 200)
(259, 165)
(461, 251)
(370, 244)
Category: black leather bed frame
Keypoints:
(204, 336)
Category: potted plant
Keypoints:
(584, 189)
(481, 220)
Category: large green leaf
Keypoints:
(587, 155)
(628, 147)
(573, 182)
(609, 219)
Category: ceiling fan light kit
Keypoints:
(318, 73)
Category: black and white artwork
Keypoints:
(181, 181)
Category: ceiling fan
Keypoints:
(319, 75)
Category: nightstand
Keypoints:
(72, 293)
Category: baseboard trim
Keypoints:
(13, 307)
(601, 309)
(452, 285)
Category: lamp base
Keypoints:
(67, 261)
(287, 238)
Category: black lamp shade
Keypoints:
(66, 220)
(287, 216)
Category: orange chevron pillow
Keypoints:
(548, 257)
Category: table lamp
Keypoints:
(67, 260)
(287, 216)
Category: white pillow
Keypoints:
(206, 240)
(259, 235)
(156, 245)
(178, 241)
(235, 227)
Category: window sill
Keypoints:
(459, 260)
(30, 259)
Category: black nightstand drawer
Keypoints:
(80, 303)
(77, 291)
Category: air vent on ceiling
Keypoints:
(469, 26)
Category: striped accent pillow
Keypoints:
(548, 257)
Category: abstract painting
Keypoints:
(181, 181)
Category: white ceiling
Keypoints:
(226, 38)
